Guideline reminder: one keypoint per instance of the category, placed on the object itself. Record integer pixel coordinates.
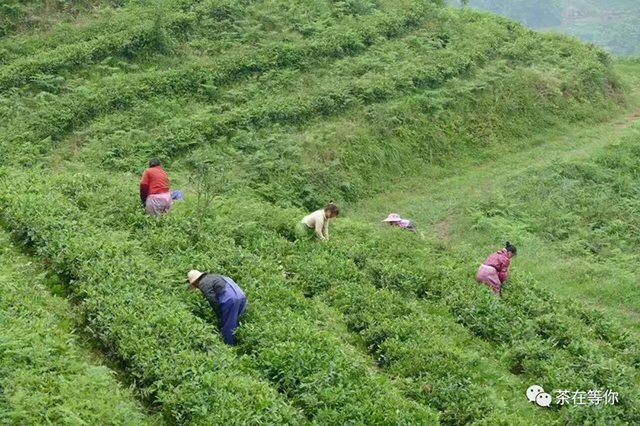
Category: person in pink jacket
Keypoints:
(495, 270)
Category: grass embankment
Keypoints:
(20, 16)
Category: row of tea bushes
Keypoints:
(295, 97)
(537, 334)
(173, 357)
(146, 36)
(48, 117)
(46, 375)
(141, 320)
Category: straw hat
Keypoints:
(194, 275)
(393, 217)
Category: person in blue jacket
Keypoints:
(225, 297)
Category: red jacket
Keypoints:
(154, 181)
(500, 261)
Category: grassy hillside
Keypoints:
(18, 16)
(571, 198)
(262, 110)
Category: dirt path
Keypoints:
(564, 144)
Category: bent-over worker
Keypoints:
(495, 270)
(319, 221)
(154, 189)
(225, 297)
(394, 219)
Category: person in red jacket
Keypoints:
(154, 189)
(495, 270)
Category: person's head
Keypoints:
(511, 249)
(194, 278)
(331, 210)
(154, 162)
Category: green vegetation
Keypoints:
(264, 110)
(46, 376)
(30, 15)
(573, 208)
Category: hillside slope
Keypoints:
(261, 110)
(18, 16)
(568, 194)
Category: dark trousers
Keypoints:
(231, 311)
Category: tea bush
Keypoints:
(46, 376)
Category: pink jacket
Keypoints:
(500, 261)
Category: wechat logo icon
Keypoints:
(536, 394)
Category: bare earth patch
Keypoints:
(441, 229)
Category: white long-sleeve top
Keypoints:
(318, 221)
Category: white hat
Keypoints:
(194, 275)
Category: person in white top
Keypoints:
(319, 221)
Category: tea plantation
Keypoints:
(261, 111)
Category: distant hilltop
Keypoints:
(613, 25)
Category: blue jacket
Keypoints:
(227, 300)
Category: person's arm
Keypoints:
(214, 302)
(320, 228)
(211, 285)
(504, 271)
(325, 229)
(144, 190)
(144, 187)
